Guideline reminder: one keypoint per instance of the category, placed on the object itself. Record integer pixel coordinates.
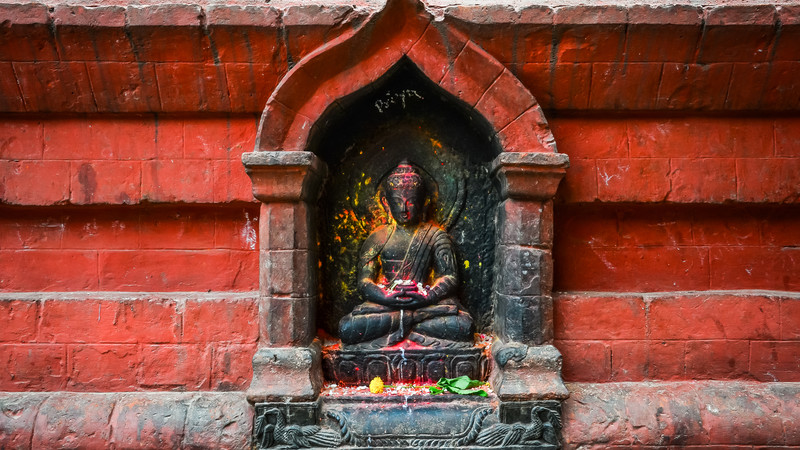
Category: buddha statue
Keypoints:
(408, 275)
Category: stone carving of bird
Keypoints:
(293, 436)
(504, 435)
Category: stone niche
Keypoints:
(338, 123)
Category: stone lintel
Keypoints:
(524, 372)
(282, 176)
(286, 374)
(529, 176)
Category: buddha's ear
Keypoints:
(385, 204)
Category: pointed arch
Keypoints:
(446, 56)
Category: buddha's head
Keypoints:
(404, 194)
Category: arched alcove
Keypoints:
(405, 116)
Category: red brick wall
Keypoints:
(677, 250)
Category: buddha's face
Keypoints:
(405, 203)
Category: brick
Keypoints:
(19, 319)
(436, 45)
(169, 138)
(231, 183)
(706, 180)
(218, 139)
(585, 361)
(505, 100)
(725, 423)
(232, 367)
(633, 180)
(300, 40)
(641, 227)
(717, 360)
(714, 317)
(177, 181)
(471, 74)
(633, 270)
(694, 86)
(775, 361)
(726, 227)
(782, 91)
(790, 319)
(180, 230)
(591, 138)
(176, 366)
(97, 229)
(48, 270)
(109, 182)
(748, 81)
(755, 268)
(647, 360)
(167, 33)
(528, 133)
(32, 230)
(66, 420)
(584, 227)
(580, 182)
(588, 41)
(536, 77)
(94, 33)
(103, 367)
(498, 39)
(237, 229)
(125, 139)
(192, 87)
(257, 41)
(787, 45)
(700, 137)
(10, 95)
(177, 270)
(21, 139)
(579, 317)
(28, 35)
(33, 367)
(250, 85)
(96, 321)
(663, 33)
(768, 180)
(59, 135)
(624, 86)
(571, 85)
(220, 321)
(55, 86)
(148, 421)
(737, 34)
(787, 137)
(34, 182)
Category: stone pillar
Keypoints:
(287, 364)
(527, 366)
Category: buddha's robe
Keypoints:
(429, 259)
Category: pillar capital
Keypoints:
(284, 176)
(529, 176)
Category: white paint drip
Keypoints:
(249, 232)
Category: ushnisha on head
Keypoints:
(404, 194)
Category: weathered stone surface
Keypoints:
(218, 421)
(523, 271)
(287, 373)
(17, 415)
(681, 413)
(287, 321)
(525, 223)
(524, 319)
(67, 420)
(149, 421)
(527, 373)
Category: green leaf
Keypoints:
(462, 385)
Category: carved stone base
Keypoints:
(358, 367)
(286, 373)
(445, 422)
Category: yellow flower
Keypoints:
(376, 385)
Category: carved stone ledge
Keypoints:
(285, 176)
(529, 176)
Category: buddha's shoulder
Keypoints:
(379, 234)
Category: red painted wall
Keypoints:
(677, 228)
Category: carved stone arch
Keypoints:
(404, 28)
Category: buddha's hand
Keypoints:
(411, 298)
